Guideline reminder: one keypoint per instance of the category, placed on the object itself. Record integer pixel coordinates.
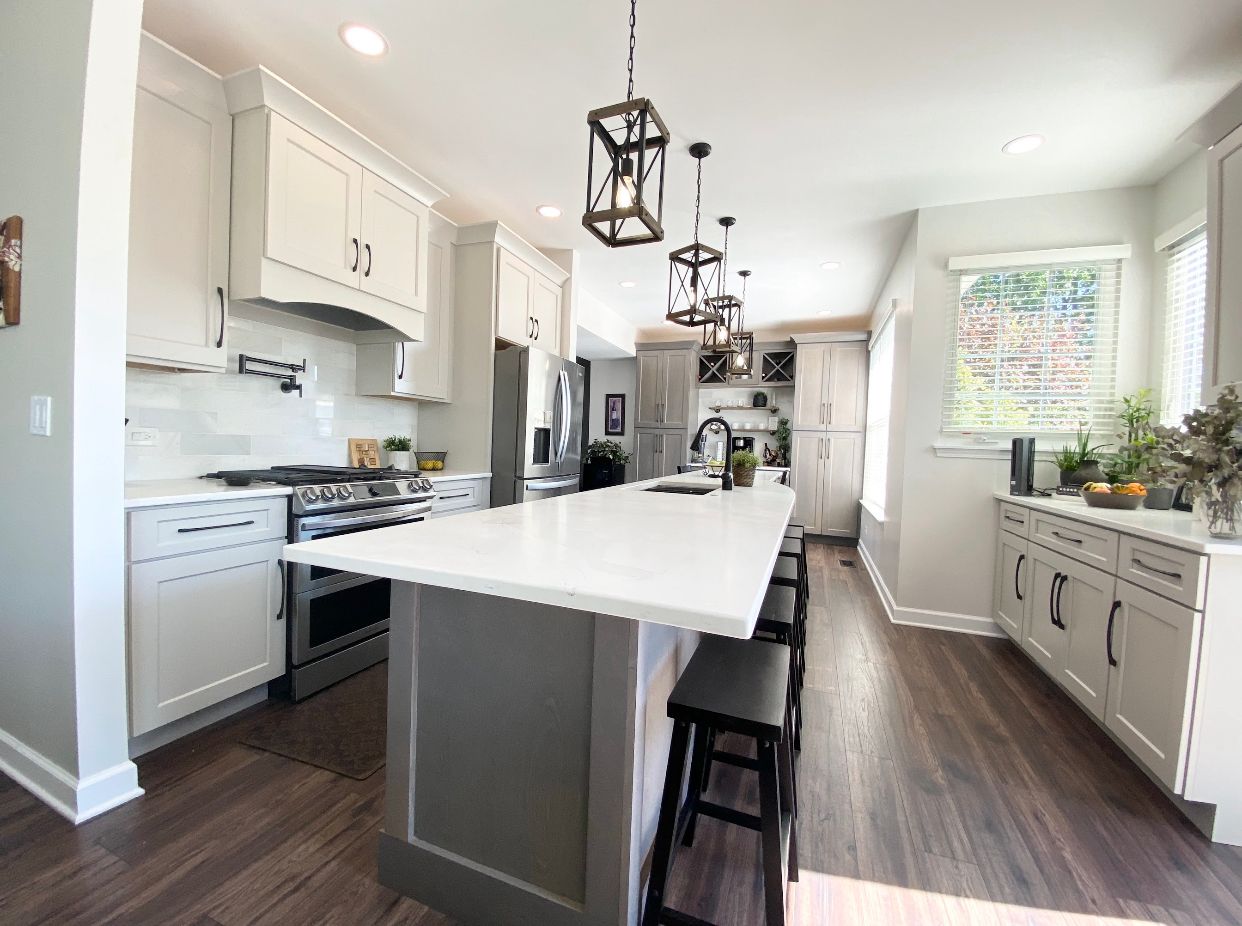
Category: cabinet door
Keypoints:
(515, 297)
(1012, 588)
(650, 388)
(547, 312)
(847, 386)
(810, 411)
(1085, 604)
(677, 375)
(672, 452)
(314, 204)
(1042, 639)
(202, 628)
(179, 230)
(394, 244)
(842, 485)
(1155, 644)
(647, 455)
(427, 369)
(1222, 360)
(806, 468)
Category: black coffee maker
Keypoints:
(1022, 466)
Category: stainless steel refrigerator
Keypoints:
(536, 426)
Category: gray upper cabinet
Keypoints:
(830, 390)
(1223, 323)
(665, 388)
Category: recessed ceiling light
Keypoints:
(628, 284)
(364, 40)
(1023, 144)
(549, 212)
(830, 265)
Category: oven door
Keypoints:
(304, 578)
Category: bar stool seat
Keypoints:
(741, 687)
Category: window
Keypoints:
(879, 407)
(1032, 349)
(1181, 378)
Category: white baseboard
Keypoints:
(922, 617)
(77, 800)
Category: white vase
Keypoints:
(399, 459)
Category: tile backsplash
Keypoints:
(212, 421)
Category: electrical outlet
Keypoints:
(141, 437)
(41, 415)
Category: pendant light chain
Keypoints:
(724, 261)
(629, 92)
(698, 199)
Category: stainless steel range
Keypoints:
(337, 622)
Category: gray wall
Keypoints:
(613, 376)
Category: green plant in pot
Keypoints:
(397, 447)
(1136, 440)
(604, 464)
(1206, 451)
(784, 440)
(744, 464)
(1080, 463)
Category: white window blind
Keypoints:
(879, 408)
(1181, 377)
(1032, 349)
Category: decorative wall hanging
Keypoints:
(625, 167)
(10, 271)
(693, 270)
(614, 414)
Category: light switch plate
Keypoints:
(41, 415)
(141, 437)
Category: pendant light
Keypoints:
(625, 167)
(693, 270)
(743, 361)
(718, 337)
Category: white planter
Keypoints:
(400, 459)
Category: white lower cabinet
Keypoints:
(1086, 600)
(1155, 644)
(460, 496)
(826, 475)
(203, 627)
(1012, 586)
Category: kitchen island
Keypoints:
(532, 648)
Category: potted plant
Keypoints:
(784, 439)
(1207, 452)
(1080, 464)
(604, 464)
(759, 400)
(397, 447)
(1137, 441)
(744, 464)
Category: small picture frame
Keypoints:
(10, 271)
(614, 414)
(364, 452)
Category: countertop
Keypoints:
(696, 562)
(155, 492)
(1176, 528)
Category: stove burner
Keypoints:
(315, 475)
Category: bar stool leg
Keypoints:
(707, 760)
(770, 823)
(696, 786)
(666, 829)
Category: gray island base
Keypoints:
(526, 753)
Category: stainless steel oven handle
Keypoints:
(378, 520)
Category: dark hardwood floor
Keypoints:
(943, 779)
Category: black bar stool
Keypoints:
(787, 573)
(733, 686)
(796, 550)
(798, 532)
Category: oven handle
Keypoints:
(377, 520)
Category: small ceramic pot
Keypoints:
(1088, 471)
(1159, 498)
(399, 459)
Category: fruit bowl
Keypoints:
(714, 468)
(1111, 500)
(430, 460)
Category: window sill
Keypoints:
(874, 510)
(997, 449)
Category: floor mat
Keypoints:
(341, 729)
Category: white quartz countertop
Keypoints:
(1176, 528)
(157, 492)
(696, 562)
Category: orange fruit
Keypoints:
(1102, 488)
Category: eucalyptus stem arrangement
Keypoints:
(1206, 451)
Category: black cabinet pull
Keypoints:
(1067, 539)
(401, 368)
(1060, 588)
(280, 613)
(1017, 589)
(1160, 572)
(1052, 592)
(357, 256)
(536, 329)
(367, 272)
(445, 498)
(220, 336)
(530, 326)
(1108, 636)
(1011, 518)
(212, 527)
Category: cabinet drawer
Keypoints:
(157, 532)
(454, 495)
(453, 512)
(1083, 542)
(1176, 574)
(1015, 519)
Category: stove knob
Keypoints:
(428, 485)
(309, 495)
(343, 492)
(414, 485)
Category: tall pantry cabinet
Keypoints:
(664, 410)
(828, 422)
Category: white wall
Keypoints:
(213, 421)
(604, 322)
(63, 728)
(614, 376)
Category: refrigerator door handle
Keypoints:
(554, 484)
(566, 404)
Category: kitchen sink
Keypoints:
(675, 488)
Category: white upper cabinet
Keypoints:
(314, 204)
(546, 309)
(1221, 357)
(810, 411)
(830, 387)
(528, 304)
(394, 243)
(179, 215)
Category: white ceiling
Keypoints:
(829, 121)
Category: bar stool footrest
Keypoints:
(729, 815)
(732, 758)
(670, 917)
